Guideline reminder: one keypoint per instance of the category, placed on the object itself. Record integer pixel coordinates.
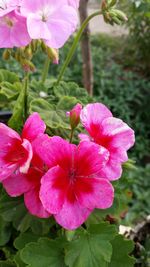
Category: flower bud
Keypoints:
(6, 54)
(53, 54)
(74, 115)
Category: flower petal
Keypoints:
(54, 185)
(33, 127)
(34, 205)
(17, 184)
(28, 157)
(94, 193)
(90, 158)
(72, 215)
(92, 116)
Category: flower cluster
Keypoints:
(62, 179)
(48, 20)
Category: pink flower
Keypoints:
(16, 151)
(29, 185)
(10, 35)
(74, 115)
(112, 133)
(52, 21)
(74, 3)
(72, 188)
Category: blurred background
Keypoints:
(113, 64)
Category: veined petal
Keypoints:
(34, 205)
(94, 193)
(54, 186)
(90, 158)
(34, 126)
(72, 215)
(92, 116)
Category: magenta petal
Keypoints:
(112, 170)
(91, 158)
(29, 154)
(54, 185)
(7, 170)
(92, 116)
(7, 134)
(33, 127)
(72, 215)
(94, 193)
(17, 184)
(34, 205)
(84, 137)
(55, 151)
(121, 134)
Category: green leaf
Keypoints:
(17, 119)
(53, 118)
(92, 247)
(9, 91)
(25, 238)
(45, 253)
(67, 103)
(8, 76)
(7, 263)
(71, 89)
(18, 261)
(5, 232)
(121, 250)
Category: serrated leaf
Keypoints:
(71, 89)
(25, 238)
(7, 263)
(10, 91)
(66, 103)
(18, 261)
(8, 76)
(91, 248)
(53, 118)
(45, 253)
(121, 250)
(5, 231)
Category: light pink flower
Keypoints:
(74, 115)
(13, 31)
(29, 185)
(16, 151)
(52, 21)
(72, 188)
(112, 133)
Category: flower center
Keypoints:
(72, 175)
(8, 22)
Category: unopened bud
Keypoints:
(111, 3)
(28, 52)
(53, 54)
(27, 65)
(74, 115)
(6, 54)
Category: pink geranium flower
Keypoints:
(29, 185)
(16, 151)
(52, 21)
(72, 188)
(10, 35)
(112, 133)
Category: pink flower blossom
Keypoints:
(74, 115)
(10, 35)
(112, 133)
(52, 21)
(72, 188)
(16, 151)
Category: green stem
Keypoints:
(71, 135)
(26, 79)
(75, 43)
(45, 70)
